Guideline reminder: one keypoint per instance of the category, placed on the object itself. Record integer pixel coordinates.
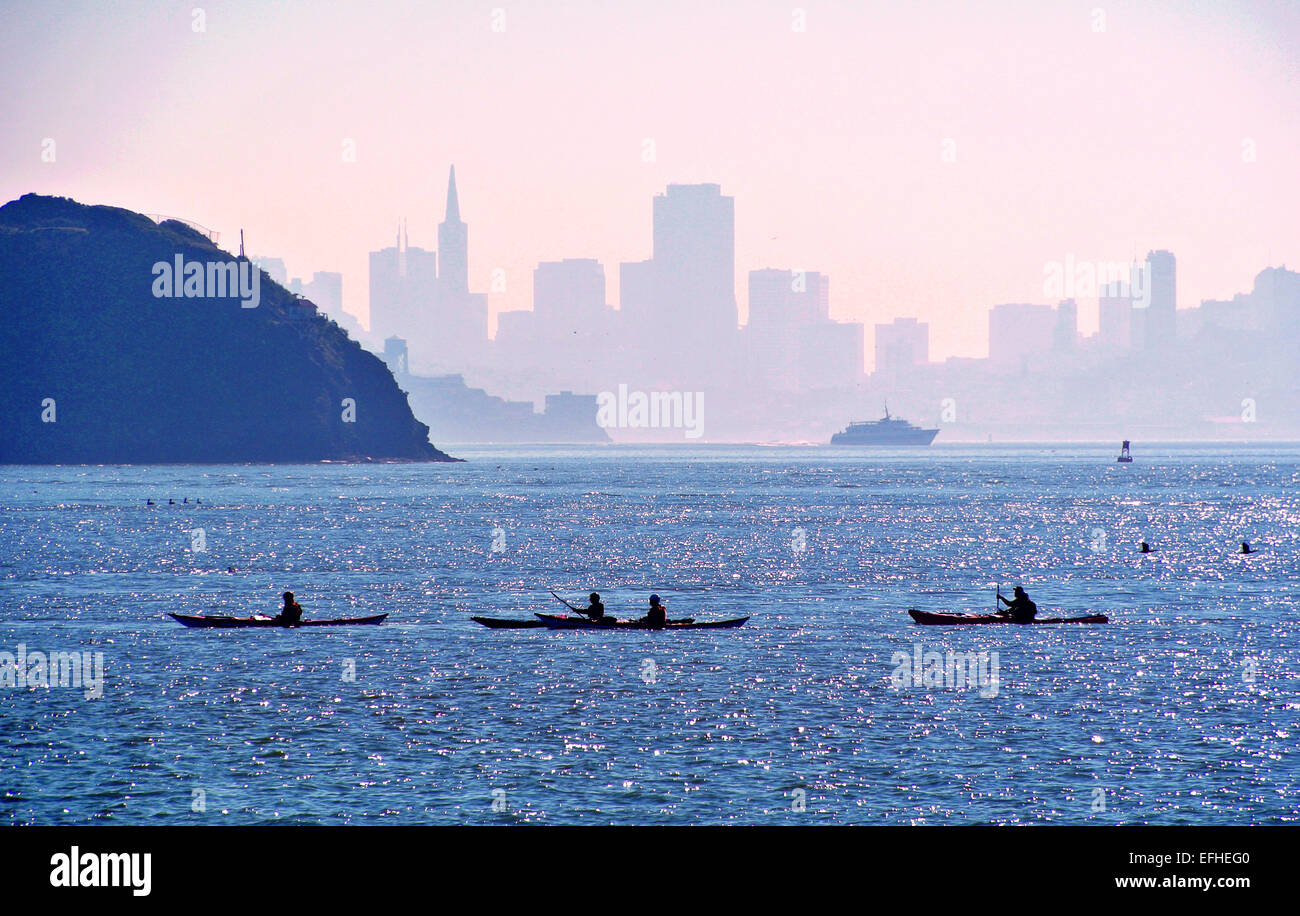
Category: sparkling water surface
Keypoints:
(1182, 711)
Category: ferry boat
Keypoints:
(886, 431)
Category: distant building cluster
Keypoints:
(792, 372)
(676, 325)
(1222, 369)
(427, 304)
(324, 290)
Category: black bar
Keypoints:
(270, 865)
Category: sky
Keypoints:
(931, 157)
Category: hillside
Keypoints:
(104, 360)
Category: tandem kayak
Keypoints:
(929, 619)
(226, 623)
(496, 623)
(564, 622)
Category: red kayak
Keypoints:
(565, 622)
(940, 620)
(227, 623)
(498, 623)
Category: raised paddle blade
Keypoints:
(565, 603)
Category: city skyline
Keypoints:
(933, 192)
(1136, 314)
(676, 331)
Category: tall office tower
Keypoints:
(570, 332)
(637, 288)
(783, 306)
(693, 327)
(569, 295)
(326, 290)
(404, 296)
(1114, 315)
(900, 347)
(1158, 322)
(1065, 335)
(771, 346)
(1019, 333)
(790, 341)
(788, 296)
(453, 244)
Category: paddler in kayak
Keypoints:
(596, 609)
(291, 614)
(1246, 548)
(658, 616)
(1021, 609)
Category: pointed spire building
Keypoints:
(453, 244)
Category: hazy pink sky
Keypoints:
(1068, 141)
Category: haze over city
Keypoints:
(929, 159)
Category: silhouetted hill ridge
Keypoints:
(138, 378)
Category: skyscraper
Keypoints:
(569, 293)
(1155, 327)
(429, 304)
(637, 289)
(790, 341)
(453, 244)
(460, 333)
(1066, 333)
(403, 291)
(568, 332)
(679, 307)
(695, 260)
(1114, 315)
(784, 296)
(901, 345)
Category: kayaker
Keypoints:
(596, 609)
(1145, 547)
(1021, 610)
(1245, 547)
(291, 614)
(658, 616)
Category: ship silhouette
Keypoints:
(886, 431)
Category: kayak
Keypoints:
(564, 622)
(227, 623)
(496, 623)
(608, 621)
(925, 617)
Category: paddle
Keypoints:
(569, 606)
